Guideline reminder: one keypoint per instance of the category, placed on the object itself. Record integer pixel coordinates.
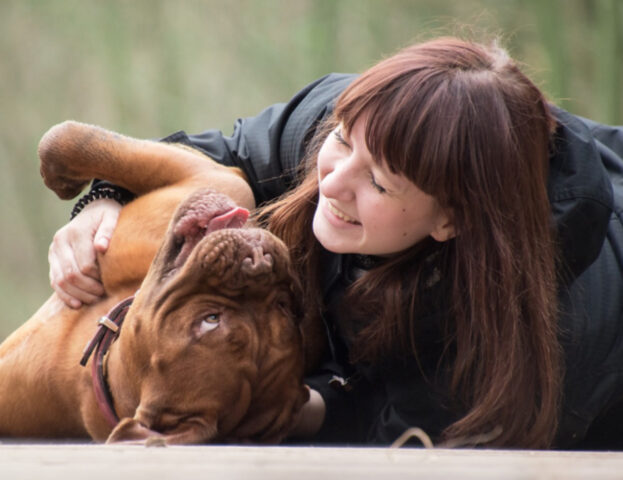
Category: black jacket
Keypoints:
(375, 405)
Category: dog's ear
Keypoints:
(131, 431)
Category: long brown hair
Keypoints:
(464, 124)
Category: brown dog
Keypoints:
(208, 351)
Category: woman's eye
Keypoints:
(340, 138)
(212, 318)
(376, 186)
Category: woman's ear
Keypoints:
(444, 227)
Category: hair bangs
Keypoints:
(403, 129)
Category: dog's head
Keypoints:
(211, 347)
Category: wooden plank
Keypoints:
(94, 462)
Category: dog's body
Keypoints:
(208, 350)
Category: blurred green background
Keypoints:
(147, 68)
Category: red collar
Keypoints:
(107, 332)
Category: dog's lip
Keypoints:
(199, 221)
(195, 225)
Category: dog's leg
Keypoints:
(161, 174)
(73, 153)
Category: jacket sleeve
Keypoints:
(341, 423)
(376, 411)
(270, 146)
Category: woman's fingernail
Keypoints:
(102, 242)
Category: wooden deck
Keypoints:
(94, 462)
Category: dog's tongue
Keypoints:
(235, 218)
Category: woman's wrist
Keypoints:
(99, 191)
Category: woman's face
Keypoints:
(364, 208)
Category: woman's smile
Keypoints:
(340, 214)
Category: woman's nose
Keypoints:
(338, 181)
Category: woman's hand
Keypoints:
(310, 417)
(74, 272)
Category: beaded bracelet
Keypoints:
(119, 194)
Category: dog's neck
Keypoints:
(104, 354)
(120, 386)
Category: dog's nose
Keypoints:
(258, 262)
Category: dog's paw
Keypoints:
(61, 151)
(65, 188)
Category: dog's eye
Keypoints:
(207, 324)
(212, 318)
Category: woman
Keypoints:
(458, 222)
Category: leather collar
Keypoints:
(107, 332)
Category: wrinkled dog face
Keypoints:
(214, 340)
